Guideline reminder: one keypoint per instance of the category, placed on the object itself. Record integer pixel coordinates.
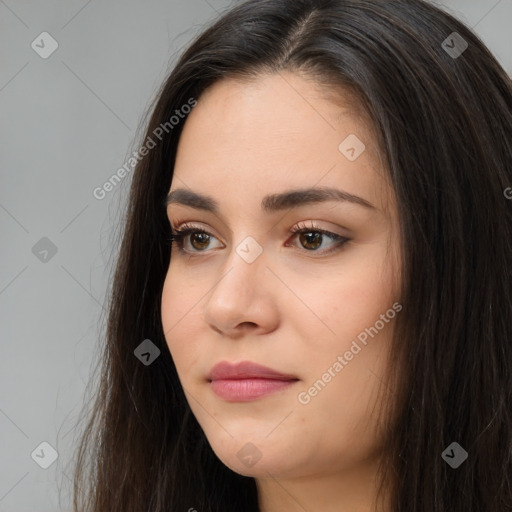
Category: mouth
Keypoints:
(245, 390)
(247, 381)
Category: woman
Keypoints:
(313, 299)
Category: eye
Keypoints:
(199, 238)
(311, 238)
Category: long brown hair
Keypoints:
(441, 107)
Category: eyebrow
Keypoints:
(270, 203)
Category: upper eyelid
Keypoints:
(301, 225)
(313, 224)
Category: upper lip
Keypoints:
(246, 370)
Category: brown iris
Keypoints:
(311, 237)
(204, 240)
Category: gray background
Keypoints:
(68, 122)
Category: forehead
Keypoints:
(246, 139)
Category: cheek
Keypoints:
(352, 302)
(346, 366)
(348, 302)
(181, 317)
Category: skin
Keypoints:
(295, 308)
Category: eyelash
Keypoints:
(178, 235)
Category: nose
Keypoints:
(244, 298)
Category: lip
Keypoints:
(245, 381)
(246, 370)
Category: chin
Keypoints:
(259, 470)
(253, 460)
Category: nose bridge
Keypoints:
(240, 295)
(244, 266)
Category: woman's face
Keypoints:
(306, 305)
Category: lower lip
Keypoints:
(245, 390)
